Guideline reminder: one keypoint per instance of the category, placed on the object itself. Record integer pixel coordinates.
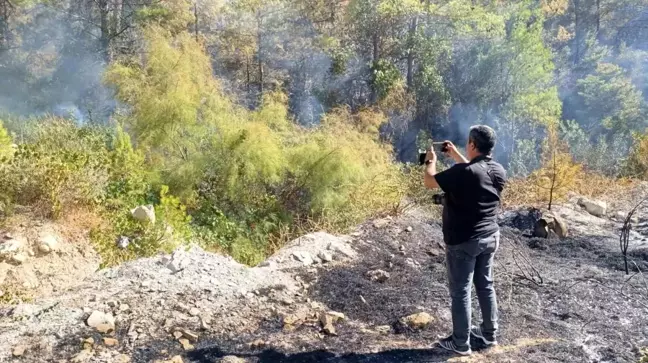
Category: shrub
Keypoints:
(59, 165)
(637, 163)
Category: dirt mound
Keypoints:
(48, 258)
(344, 299)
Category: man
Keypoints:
(472, 191)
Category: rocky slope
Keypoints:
(376, 295)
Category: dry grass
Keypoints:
(522, 191)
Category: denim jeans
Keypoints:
(472, 261)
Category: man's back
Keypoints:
(473, 194)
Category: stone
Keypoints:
(110, 342)
(144, 213)
(593, 207)
(378, 275)
(124, 307)
(328, 320)
(122, 242)
(194, 312)
(47, 243)
(11, 246)
(325, 256)
(185, 344)
(268, 264)
(19, 258)
(383, 329)
(548, 223)
(232, 359)
(103, 322)
(204, 322)
(83, 356)
(409, 229)
(303, 257)
(88, 343)
(177, 334)
(19, 351)
(257, 344)
(122, 358)
(418, 320)
(380, 223)
(188, 334)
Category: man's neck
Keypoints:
(479, 157)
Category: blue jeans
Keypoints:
(472, 261)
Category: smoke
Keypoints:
(53, 68)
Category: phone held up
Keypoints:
(423, 153)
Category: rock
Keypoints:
(11, 247)
(325, 256)
(549, 222)
(257, 344)
(269, 264)
(19, 258)
(303, 257)
(194, 312)
(177, 334)
(124, 307)
(122, 358)
(24, 311)
(380, 223)
(88, 343)
(593, 207)
(204, 322)
(231, 359)
(144, 213)
(123, 242)
(104, 323)
(83, 356)
(110, 342)
(409, 229)
(19, 351)
(47, 243)
(185, 344)
(378, 275)
(328, 319)
(383, 329)
(418, 320)
(188, 334)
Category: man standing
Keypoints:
(472, 189)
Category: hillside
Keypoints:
(194, 306)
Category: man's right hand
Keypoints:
(451, 151)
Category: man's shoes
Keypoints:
(477, 333)
(449, 344)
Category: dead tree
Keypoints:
(624, 240)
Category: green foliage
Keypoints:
(385, 76)
(613, 102)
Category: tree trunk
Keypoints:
(375, 57)
(577, 32)
(104, 40)
(4, 23)
(247, 72)
(196, 20)
(260, 53)
(410, 54)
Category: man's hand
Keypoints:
(430, 169)
(431, 155)
(452, 152)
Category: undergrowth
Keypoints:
(232, 180)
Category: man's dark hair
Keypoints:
(483, 137)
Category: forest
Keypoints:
(245, 122)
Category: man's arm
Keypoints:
(429, 179)
(454, 153)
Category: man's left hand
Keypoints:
(431, 155)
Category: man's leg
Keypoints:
(483, 278)
(460, 274)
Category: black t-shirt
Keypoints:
(472, 196)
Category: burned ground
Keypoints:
(565, 300)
